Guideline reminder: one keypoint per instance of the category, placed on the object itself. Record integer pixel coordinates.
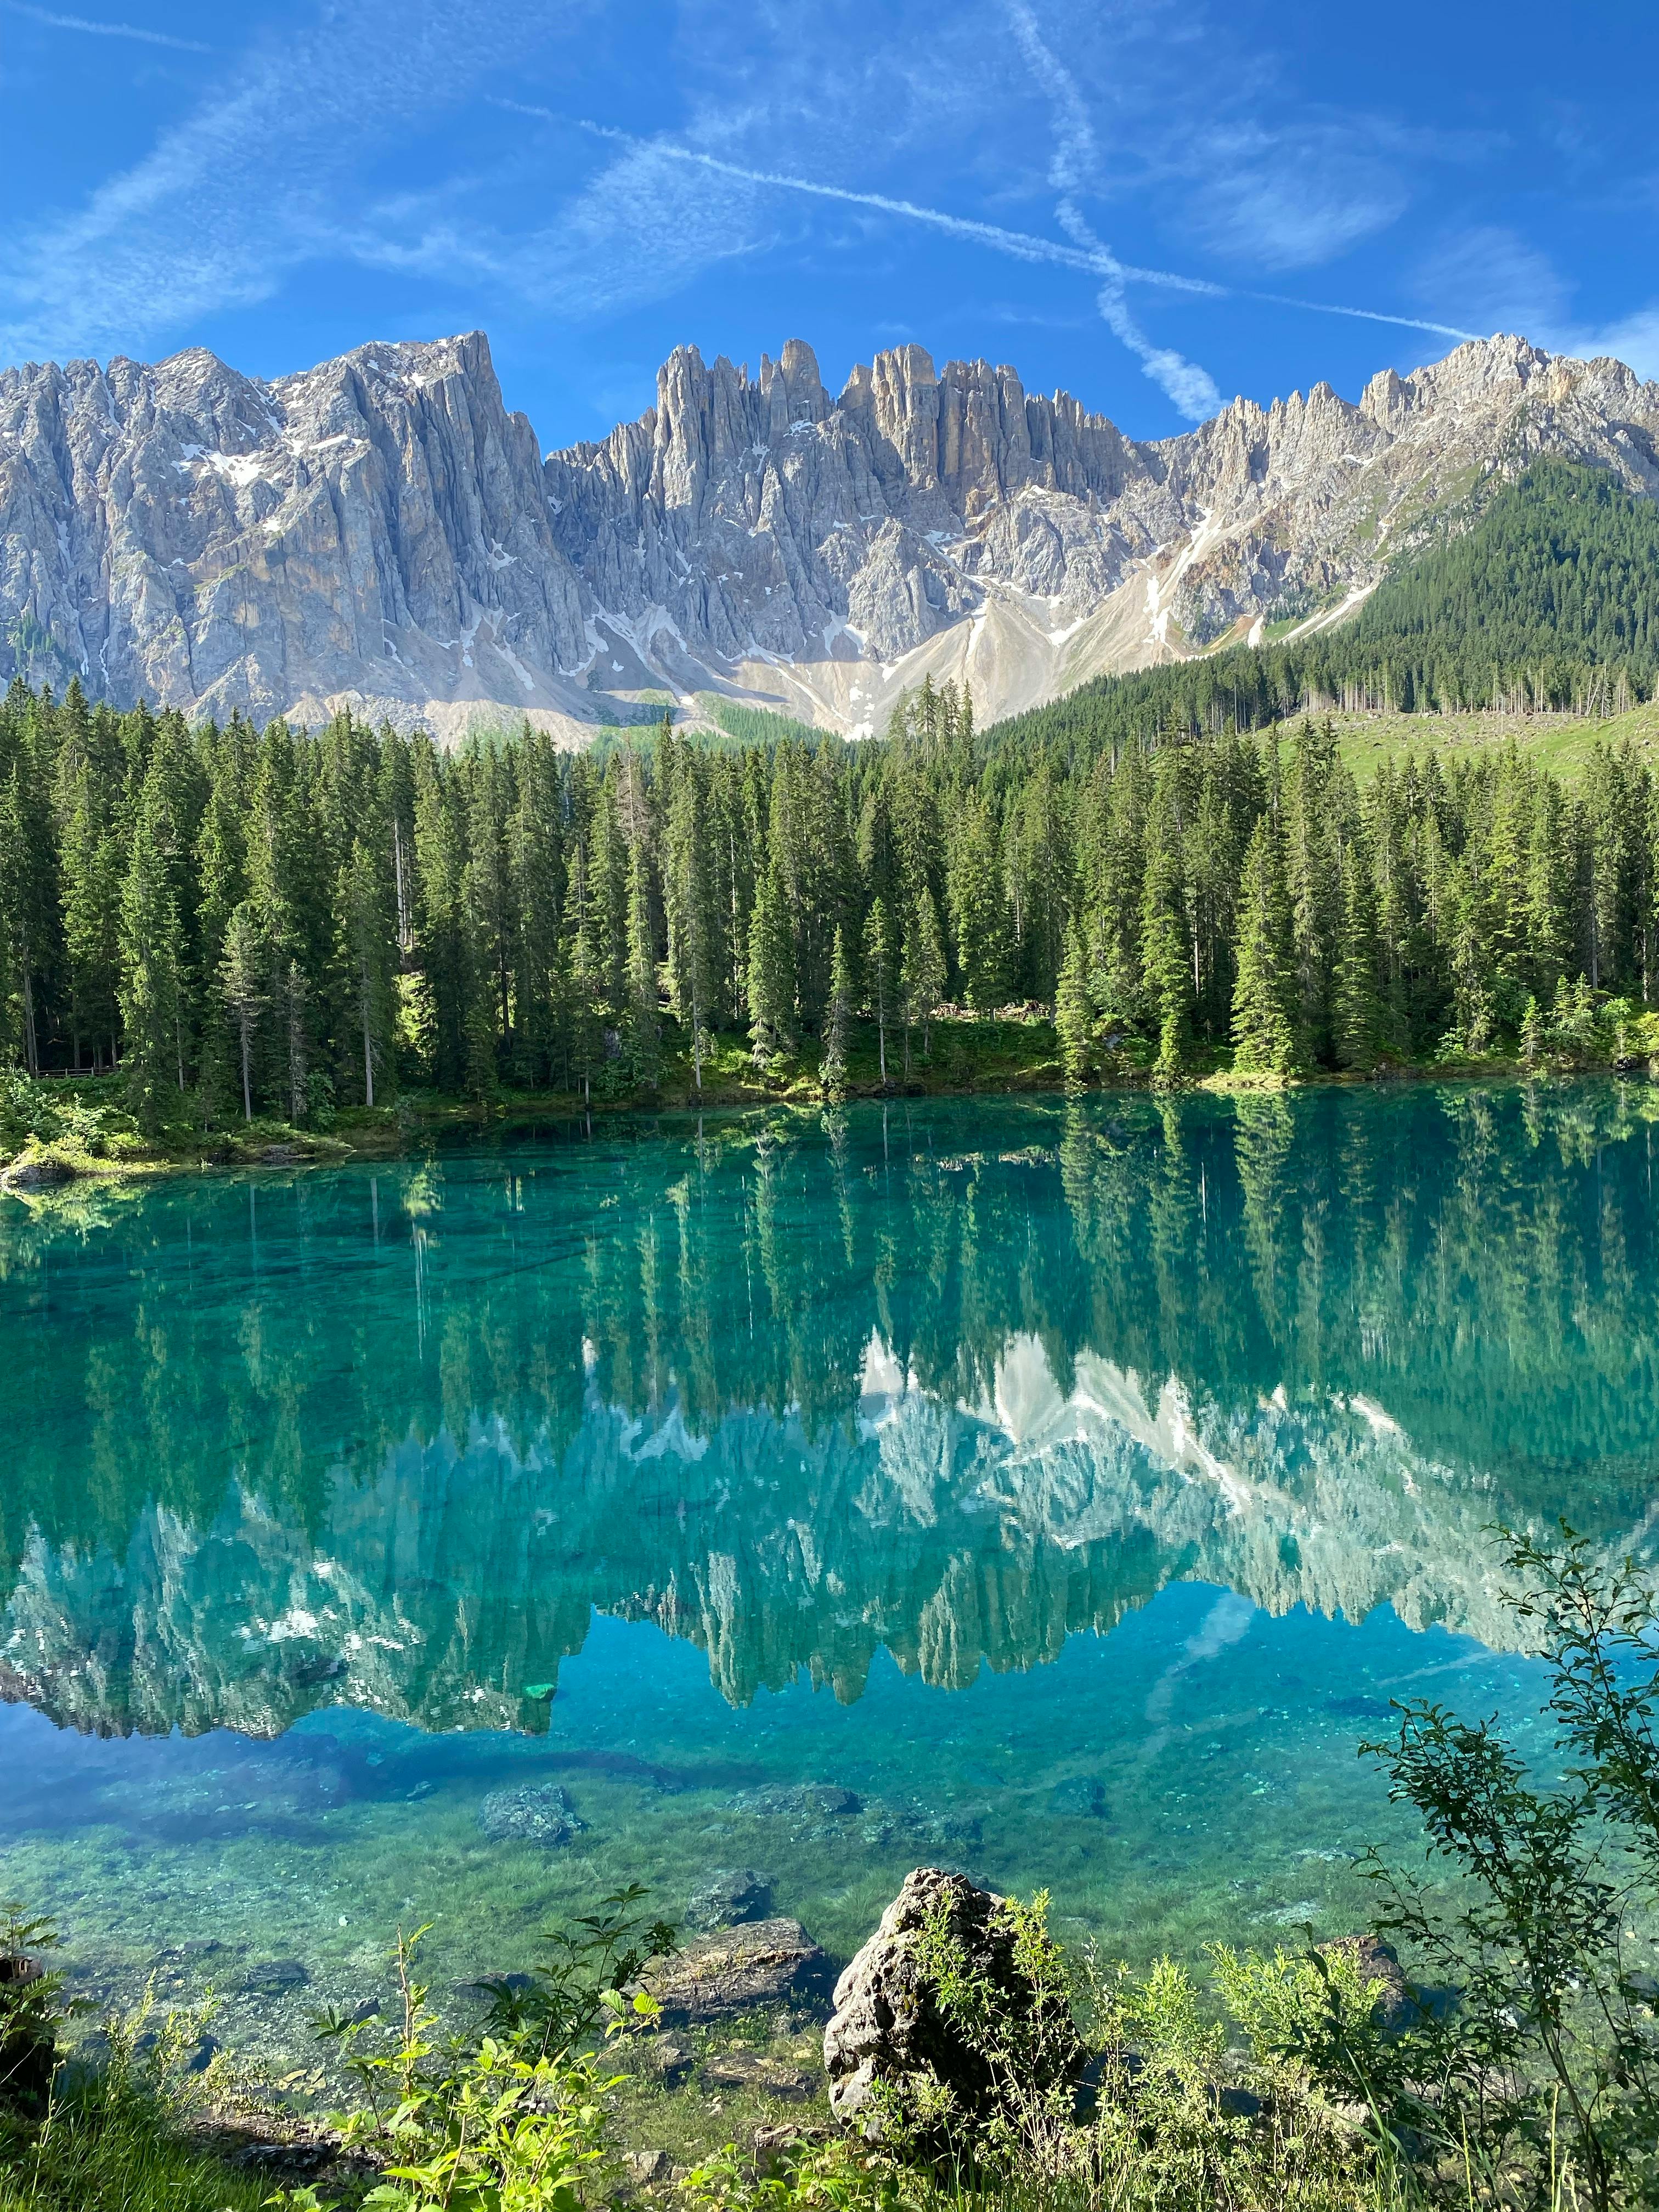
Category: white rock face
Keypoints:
(379, 531)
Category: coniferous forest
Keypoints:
(270, 922)
(1536, 594)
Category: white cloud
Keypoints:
(259, 178)
(1496, 280)
(1290, 198)
(1501, 281)
(1633, 340)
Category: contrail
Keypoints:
(1018, 245)
(1191, 388)
(55, 22)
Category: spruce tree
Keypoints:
(979, 914)
(1165, 946)
(1264, 987)
(924, 973)
(150, 982)
(643, 1029)
(771, 989)
(837, 1015)
(878, 977)
(1074, 1017)
(242, 968)
(367, 944)
(1357, 1011)
(696, 961)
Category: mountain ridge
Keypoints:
(381, 531)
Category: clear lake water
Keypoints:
(1060, 1491)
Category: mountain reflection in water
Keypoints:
(955, 1379)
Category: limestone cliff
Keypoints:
(380, 531)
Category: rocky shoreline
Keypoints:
(757, 2045)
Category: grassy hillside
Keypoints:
(1561, 742)
(1539, 599)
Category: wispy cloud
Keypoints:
(1141, 118)
(1633, 340)
(1086, 254)
(1071, 171)
(262, 176)
(57, 23)
(1505, 282)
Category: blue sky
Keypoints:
(1148, 204)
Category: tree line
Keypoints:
(1539, 595)
(274, 922)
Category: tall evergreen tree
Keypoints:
(1074, 1013)
(643, 1029)
(368, 932)
(1264, 990)
(150, 979)
(771, 974)
(878, 981)
(837, 1016)
(242, 971)
(1357, 1011)
(923, 973)
(1165, 946)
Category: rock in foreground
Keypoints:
(762, 1965)
(888, 2030)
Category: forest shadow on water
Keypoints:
(1056, 1490)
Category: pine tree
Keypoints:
(536, 845)
(1264, 989)
(1549, 932)
(642, 1032)
(1313, 795)
(91, 880)
(369, 944)
(1470, 966)
(25, 914)
(924, 974)
(695, 961)
(979, 914)
(1165, 946)
(1358, 1026)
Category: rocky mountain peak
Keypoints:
(381, 531)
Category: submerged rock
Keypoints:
(763, 1965)
(275, 1977)
(541, 1812)
(1080, 1797)
(888, 2029)
(730, 1895)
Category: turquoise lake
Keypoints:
(1058, 1491)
